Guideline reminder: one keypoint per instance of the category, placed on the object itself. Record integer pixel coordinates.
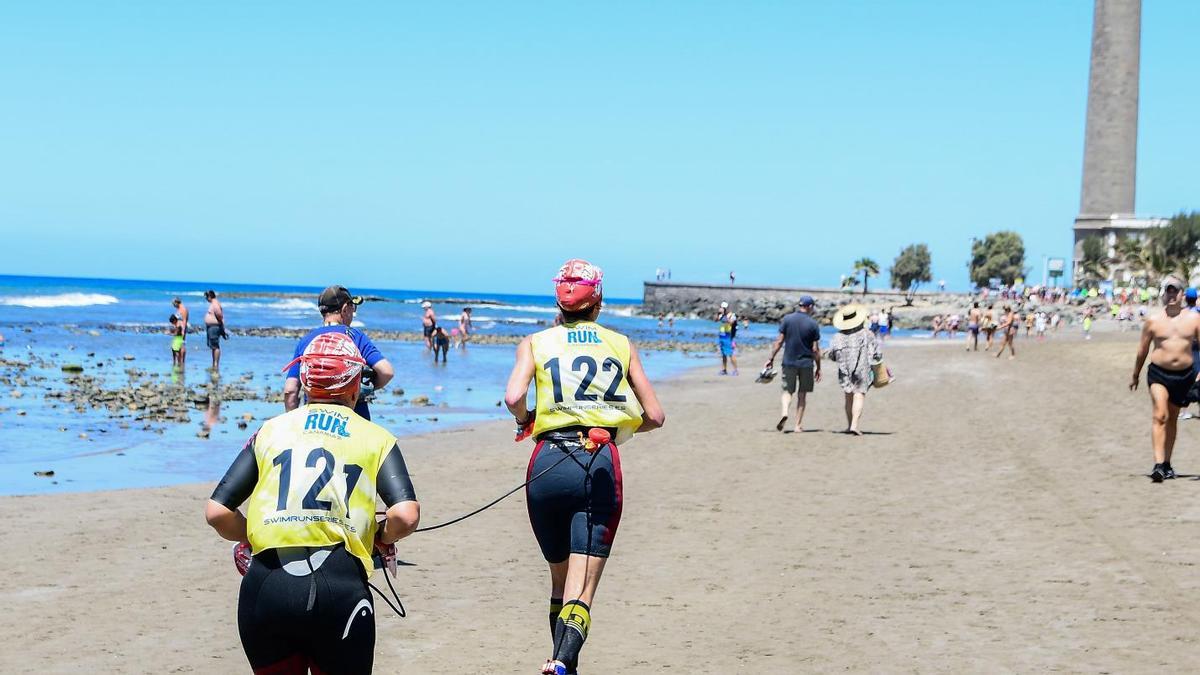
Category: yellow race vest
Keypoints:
(581, 378)
(316, 480)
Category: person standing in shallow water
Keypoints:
(181, 312)
(214, 327)
(1167, 338)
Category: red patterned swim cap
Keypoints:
(331, 366)
(578, 285)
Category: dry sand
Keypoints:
(997, 518)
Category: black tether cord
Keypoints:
(568, 455)
(400, 612)
(501, 498)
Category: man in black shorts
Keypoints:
(1167, 339)
(800, 339)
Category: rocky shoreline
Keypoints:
(645, 340)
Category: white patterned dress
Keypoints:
(855, 353)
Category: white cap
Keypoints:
(724, 305)
(427, 304)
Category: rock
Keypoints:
(72, 368)
(20, 413)
(242, 424)
(420, 400)
(203, 433)
(83, 436)
(94, 333)
(17, 393)
(44, 474)
(128, 357)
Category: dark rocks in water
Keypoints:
(421, 401)
(44, 474)
(128, 357)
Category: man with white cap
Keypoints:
(1167, 338)
(428, 323)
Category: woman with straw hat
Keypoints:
(855, 350)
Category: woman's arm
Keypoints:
(653, 416)
(518, 382)
(396, 491)
(235, 487)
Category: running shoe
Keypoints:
(554, 668)
(1157, 474)
(1168, 471)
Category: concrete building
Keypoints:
(1106, 206)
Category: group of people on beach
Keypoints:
(214, 330)
(436, 338)
(855, 349)
(310, 479)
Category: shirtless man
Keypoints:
(974, 315)
(214, 327)
(428, 321)
(1172, 371)
(937, 325)
(181, 311)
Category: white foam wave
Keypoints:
(59, 300)
(507, 319)
(357, 324)
(284, 305)
(181, 294)
(532, 308)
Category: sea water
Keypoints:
(66, 320)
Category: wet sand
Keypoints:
(996, 517)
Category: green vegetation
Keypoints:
(999, 254)
(911, 268)
(868, 268)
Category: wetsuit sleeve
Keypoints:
(392, 481)
(239, 481)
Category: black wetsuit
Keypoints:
(576, 507)
(322, 620)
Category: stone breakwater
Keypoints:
(771, 303)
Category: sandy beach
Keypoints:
(995, 518)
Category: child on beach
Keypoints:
(175, 330)
(441, 343)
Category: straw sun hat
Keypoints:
(849, 317)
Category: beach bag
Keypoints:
(881, 375)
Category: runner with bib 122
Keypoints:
(591, 396)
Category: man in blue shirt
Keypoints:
(337, 308)
(800, 339)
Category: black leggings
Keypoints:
(576, 506)
(283, 633)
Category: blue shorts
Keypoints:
(726, 343)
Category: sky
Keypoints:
(475, 146)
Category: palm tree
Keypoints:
(869, 268)
(1094, 263)
(1133, 255)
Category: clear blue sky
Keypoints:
(473, 146)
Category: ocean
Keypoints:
(110, 326)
